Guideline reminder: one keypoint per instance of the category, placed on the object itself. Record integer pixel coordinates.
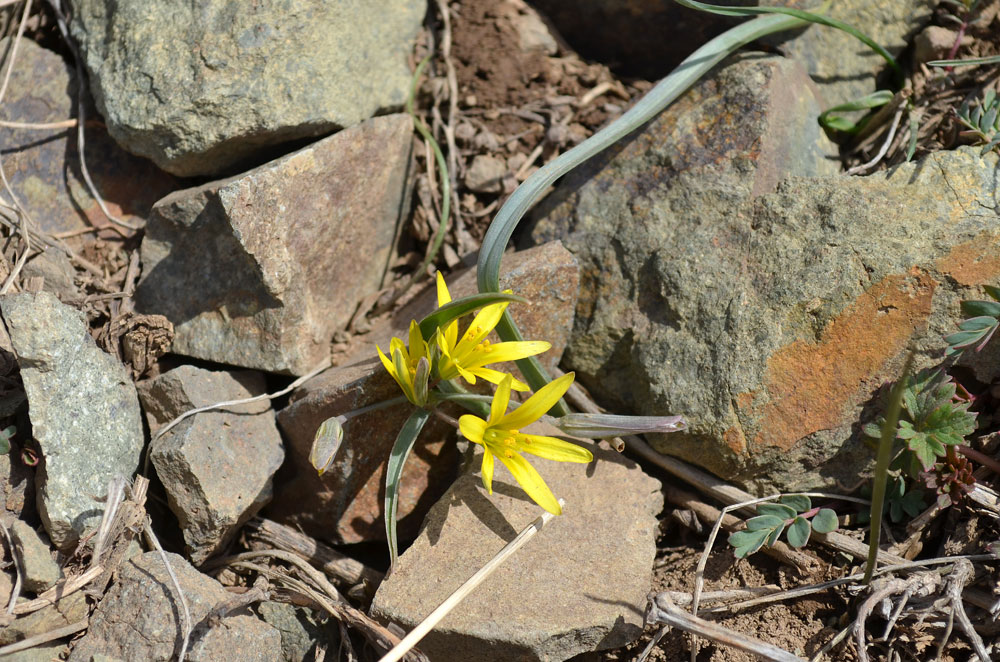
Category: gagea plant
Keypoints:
(433, 366)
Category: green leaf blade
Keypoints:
(394, 471)
(825, 521)
(463, 306)
(798, 532)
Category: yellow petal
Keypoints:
(472, 428)
(418, 347)
(552, 448)
(442, 291)
(495, 377)
(386, 362)
(510, 351)
(500, 400)
(535, 406)
(482, 324)
(532, 482)
(487, 471)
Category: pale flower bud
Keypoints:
(326, 443)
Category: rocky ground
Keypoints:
(211, 214)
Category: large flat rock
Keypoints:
(83, 408)
(201, 87)
(579, 585)
(259, 270)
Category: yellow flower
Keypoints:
(409, 365)
(500, 437)
(469, 356)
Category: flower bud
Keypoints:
(420, 379)
(326, 443)
(599, 426)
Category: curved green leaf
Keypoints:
(394, 470)
(981, 308)
(798, 532)
(825, 521)
(532, 189)
(831, 120)
(802, 15)
(463, 306)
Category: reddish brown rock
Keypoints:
(345, 504)
(44, 166)
(260, 269)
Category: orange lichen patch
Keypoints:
(811, 384)
(735, 440)
(973, 262)
(744, 400)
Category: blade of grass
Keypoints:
(455, 309)
(882, 467)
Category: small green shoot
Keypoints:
(982, 120)
(5, 436)
(793, 513)
(980, 327)
(832, 119)
(900, 503)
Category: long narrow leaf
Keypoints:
(971, 62)
(532, 189)
(800, 14)
(393, 472)
(459, 307)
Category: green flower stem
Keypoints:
(381, 404)
(889, 429)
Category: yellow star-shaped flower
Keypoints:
(469, 356)
(500, 436)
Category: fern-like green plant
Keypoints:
(932, 418)
(793, 514)
(982, 120)
(979, 327)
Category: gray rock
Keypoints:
(345, 504)
(71, 609)
(579, 585)
(41, 572)
(200, 87)
(83, 409)
(217, 466)
(935, 42)
(485, 175)
(137, 619)
(258, 270)
(843, 67)
(299, 632)
(43, 653)
(43, 167)
(768, 321)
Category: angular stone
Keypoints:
(71, 609)
(770, 322)
(843, 67)
(200, 88)
(258, 270)
(44, 167)
(217, 466)
(579, 585)
(485, 175)
(41, 572)
(83, 408)
(138, 618)
(345, 504)
(299, 631)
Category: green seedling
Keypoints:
(900, 503)
(982, 120)
(5, 436)
(976, 331)
(793, 513)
